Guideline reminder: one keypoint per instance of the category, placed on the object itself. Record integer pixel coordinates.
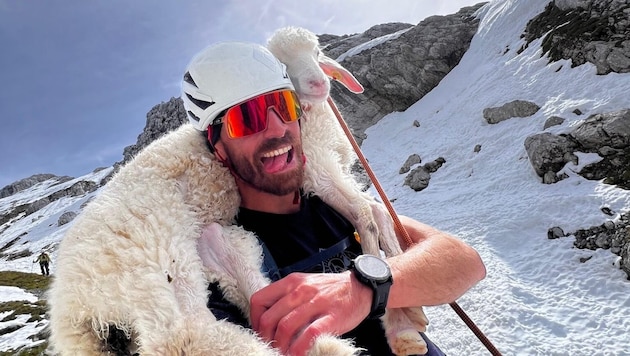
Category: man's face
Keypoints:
(271, 160)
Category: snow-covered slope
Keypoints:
(538, 299)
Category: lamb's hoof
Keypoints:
(417, 317)
(328, 345)
(408, 342)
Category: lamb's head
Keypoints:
(299, 50)
(309, 69)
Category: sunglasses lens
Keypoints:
(250, 117)
(287, 105)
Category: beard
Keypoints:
(252, 171)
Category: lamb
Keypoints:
(309, 70)
(130, 261)
(299, 50)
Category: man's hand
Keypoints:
(293, 311)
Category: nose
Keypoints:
(275, 126)
(317, 84)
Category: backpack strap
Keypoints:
(270, 269)
(317, 258)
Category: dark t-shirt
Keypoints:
(293, 239)
(315, 239)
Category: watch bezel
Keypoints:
(365, 263)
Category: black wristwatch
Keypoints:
(374, 273)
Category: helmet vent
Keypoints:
(200, 103)
(188, 79)
(190, 113)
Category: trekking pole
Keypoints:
(401, 230)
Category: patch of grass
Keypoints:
(36, 284)
(31, 282)
(31, 351)
(37, 310)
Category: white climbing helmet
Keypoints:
(226, 74)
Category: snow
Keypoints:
(371, 43)
(20, 336)
(537, 298)
(14, 293)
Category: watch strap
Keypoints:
(379, 300)
(380, 292)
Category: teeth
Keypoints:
(277, 152)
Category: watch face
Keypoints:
(373, 266)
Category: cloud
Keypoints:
(82, 75)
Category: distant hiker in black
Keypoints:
(44, 261)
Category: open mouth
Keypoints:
(277, 160)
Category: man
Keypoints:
(241, 98)
(44, 261)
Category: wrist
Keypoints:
(361, 295)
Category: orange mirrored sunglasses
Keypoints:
(250, 117)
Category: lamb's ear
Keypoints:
(339, 73)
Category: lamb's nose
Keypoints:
(317, 83)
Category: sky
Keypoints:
(80, 76)
(537, 298)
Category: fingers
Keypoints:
(263, 300)
(297, 325)
(294, 311)
(303, 341)
(296, 331)
(277, 301)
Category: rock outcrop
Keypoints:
(606, 134)
(28, 182)
(595, 31)
(399, 71)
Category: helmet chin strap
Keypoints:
(223, 160)
(227, 164)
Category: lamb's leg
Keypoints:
(220, 255)
(417, 317)
(75, 338)
(387, 239)
(374, 225)
(391, 247)
(402, 336)
(401, 325)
